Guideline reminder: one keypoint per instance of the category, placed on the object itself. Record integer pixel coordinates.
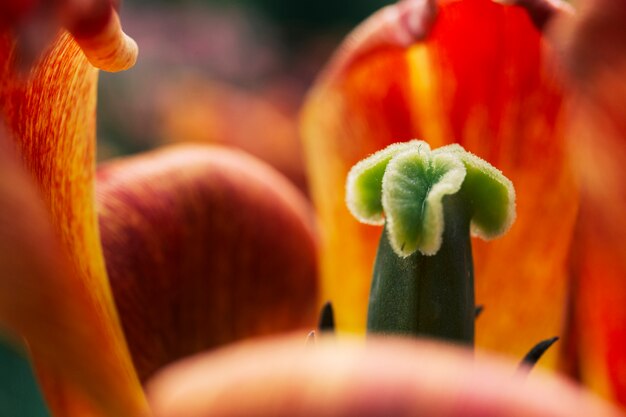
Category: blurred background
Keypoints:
(232, 72)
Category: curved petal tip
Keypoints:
(110, 49)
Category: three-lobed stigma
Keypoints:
(404, 186)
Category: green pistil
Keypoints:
(429, 201)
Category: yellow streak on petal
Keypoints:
(338, 130)
(51, 116)
(111, 49)
(427, 111)
(342, 282)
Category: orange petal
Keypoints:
(595, 51)
(382, 378)
(204, 245)
(51, 116)
(480, 78)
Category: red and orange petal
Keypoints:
(383, 378)
(204, 245)
(50, 115)
(483, 77)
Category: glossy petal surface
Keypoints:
(204, 246)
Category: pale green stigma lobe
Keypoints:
(365, 182)
(490, 195)
(405, 184)
(414, 185)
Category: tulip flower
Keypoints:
(55, 290)
(521, 87)
(56, 294)
(472, 72)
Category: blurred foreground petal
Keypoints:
(50, 114)
(204, 246)
(480, 78)
(380, 378)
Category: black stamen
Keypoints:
(479, 309)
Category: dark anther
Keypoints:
(326, 323)
(536, 353)
(479, 309)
